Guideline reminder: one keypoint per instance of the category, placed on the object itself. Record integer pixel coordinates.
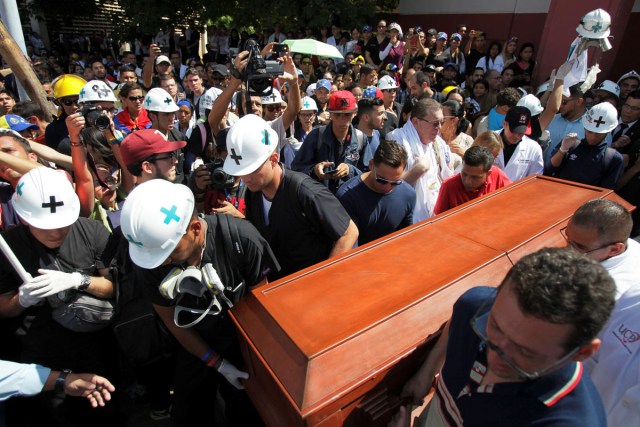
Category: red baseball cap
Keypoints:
(342, 101)
(145, 143)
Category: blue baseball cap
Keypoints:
(323, 83)
(366, 28)
(15, 123)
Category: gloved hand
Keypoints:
(564, 69)
(568, 142)
(52, 281)
(232, 374)
(26, 298)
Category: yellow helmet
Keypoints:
(67, 85)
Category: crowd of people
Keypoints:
(166, 187)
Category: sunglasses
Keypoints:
(435, 123)
(390, 90)
(69, 102)
(274, 107)
(382, 180)
(306, 114)
(566, 101)
(136, 98)
(172, 155)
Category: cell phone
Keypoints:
(281, 49)
(330, 170)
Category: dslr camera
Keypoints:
(220, 180)
(259, 73)
(95, 117)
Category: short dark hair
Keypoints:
(26, 109)
(612, 220)
(8, 92)
(635, 94)
(17, 138)
(576, 91)
(127, 88)
(390, 153)
(563, 286)
(193, 70)
(367, 69)
(421, 78)
(126, 68)
(478, 156)
(508, 96)
(365, 105)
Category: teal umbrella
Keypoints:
(313, 47)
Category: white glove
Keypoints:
(26, 297)
(565, 69)
(568, 142)
(232, 374)
(52, 281)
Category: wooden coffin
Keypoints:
(332, 345)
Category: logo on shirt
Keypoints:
(626, 336)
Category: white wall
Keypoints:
(419, 7)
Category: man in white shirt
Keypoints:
(600, 229)
(520, 156)
(429, 156)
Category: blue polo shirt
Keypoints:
(566, 397)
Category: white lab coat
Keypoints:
(525, 161)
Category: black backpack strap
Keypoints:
(233, 252)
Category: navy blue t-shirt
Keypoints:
(377, 214)
(566, 397)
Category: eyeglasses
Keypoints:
(582, 248)
(381, 180)
(136, 98)
(566, 101)
(435, 123)
(479, 326)
(172, 155)
(274, 107)
(306, 114)
(69, 102)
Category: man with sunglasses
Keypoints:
(148, 155)
(379, 202)
(600, 229)
(514, 357)
(430, 161)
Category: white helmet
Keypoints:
(531, 103)
(159, 100)
(250, 142)
(96, 91)
(45, 199)
(633, 74)
(274, 98)
(387, 82)
(610, 87)
(543, 87)
(595, 25)
(601, 118)
(308, 104)
(154, 219)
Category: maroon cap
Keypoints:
(342, 101)
(145, 143)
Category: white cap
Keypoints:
(630, 75)
(595, 25)
(397, 27)
(387, 82)
(154, 219)
(159, 100)
(44, 198)
(610, 87)
(311, 89)
(532, 103)
(601, 118)
(274, 98)
(162, 58)
(96, 91)
(308, 104)
(250, 142)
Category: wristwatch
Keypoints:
(85, 282)
(59, 386)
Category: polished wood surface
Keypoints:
(331, 345)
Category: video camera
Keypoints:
(95, 117)
(219, 178)
(259, 73)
